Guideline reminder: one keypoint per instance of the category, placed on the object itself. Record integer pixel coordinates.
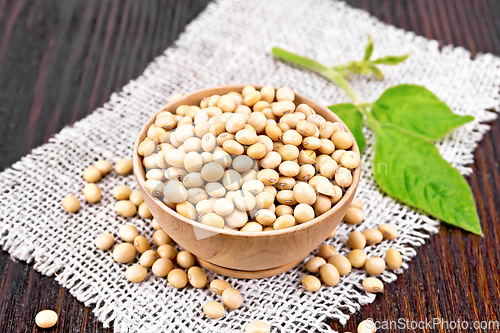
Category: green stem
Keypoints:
(313, 65)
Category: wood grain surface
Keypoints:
(59, 60)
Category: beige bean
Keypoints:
(232, 298)
(252, 227)
(128, 232)
(373, 285)
(357, 203)
(124, 253)
(213, 220)
(160, 238)
(92, 193)
(242, 163)
(329, 274)
(285, 183)
(257, 327)
(177, 278)
(322, 204)
(265, 217)
(366, 326)
(267, 93)
(257, 151)
(213, 309)
(286, 197)
(148, 258)
(268, 176)
(337, 154)
(141, 244)
(104, 241)
(288, 152)
(393, 259)
(375, 266)
(373, 236)
(313, 264)
(304, 193)
(285, 94)
(144, 211)
(162, 267)
(92, 175)
(283, 107)
(357, 257)
(325, 251)
(306, 172)
(284, 221)
(354, 215)
(283, 210)
(356, 240)
(342, 264)
(388, 231)
(218, 286)
(155, 224)
(303, 213)
(187, 210)
(231, 180)
(307, 156)
(350, 160)
(305, 109)
(46, 318)
(244, 200)
(237, 218)
(197, 277)
(342, 140)
(311, 283)
(123, 166)
(136, 273)
(167, 251)
(185, 259)
(292, 137)
(71, 204)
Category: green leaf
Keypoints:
(351, 116)
(369, 48)
(411, 169)
(376, 71)
(417, 110)
(298, 60)
(391, 60)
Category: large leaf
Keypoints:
(351, 116)
(411, 169)
(417, 110)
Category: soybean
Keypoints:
(232, 298)
(177, 278)
(311, 283)
(71, 204)
(213, 309)
(104, 241)
(393, 259)
(136, 273)
(373, 285)
(162, 267)
(197, 277)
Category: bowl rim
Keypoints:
(138, 167)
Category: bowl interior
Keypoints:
(194, 99)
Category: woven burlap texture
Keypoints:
(230, 42)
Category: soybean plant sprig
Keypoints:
(405, 120)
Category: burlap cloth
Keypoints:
(230, 42)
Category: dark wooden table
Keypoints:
(59, 60)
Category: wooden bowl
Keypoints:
(236, 253)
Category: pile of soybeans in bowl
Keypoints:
(252, 161)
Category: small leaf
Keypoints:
(351, 116)
(369, 48)
(376, 71)
(417, 110)
(411, 169)
(391, 60)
